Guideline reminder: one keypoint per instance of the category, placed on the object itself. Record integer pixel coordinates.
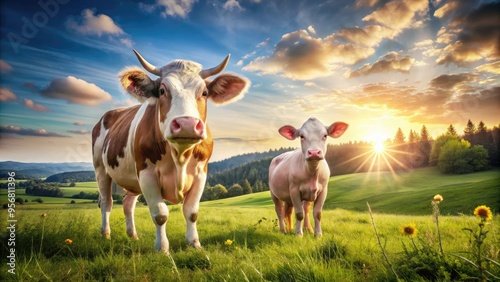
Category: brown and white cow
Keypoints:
(161, 148)
(300, 177)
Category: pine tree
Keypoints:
(245, 185)
(424, 146)
(412, 137)
(470, 132)
(400, 137)
(451, 131)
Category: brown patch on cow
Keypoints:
(193, 217)
(160, 219)
(118, 121)
(149, 143)
(299, 216)
(203, 151)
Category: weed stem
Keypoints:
(379, 243)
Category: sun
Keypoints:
(378, 147)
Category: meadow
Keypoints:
(241, 241)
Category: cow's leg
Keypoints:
(288, 216)
(105, 199)
(190, 209)
(128, 209)
(278, 207)
(299, 210)
(307, 223)
(157, 207)
(318, 207)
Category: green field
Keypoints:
(403, 193)
(348, 250)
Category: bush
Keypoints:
(37, 200)
(72, 202)
(458, 157)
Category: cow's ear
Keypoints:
(138, 84)
(227, 88)
(336, 129)
(289, 132)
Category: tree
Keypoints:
(424, 146)
(477, 157)
(436, 147)
(457, 156)
(424, 134)
(470, 131)
(451, 131)
(72, 184)
(245, 185)
(400, 137)
(412, 137)
(452, 157)
(235, 190)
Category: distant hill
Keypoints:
(72, 176)
(86, 170)
(238, 160)
(40, 170)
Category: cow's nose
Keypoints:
(314, 154)
(187, 125)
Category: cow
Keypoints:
(300, 177)
(161, 148)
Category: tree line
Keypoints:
(478, 148)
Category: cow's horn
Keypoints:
(149, 67)
(213, 71)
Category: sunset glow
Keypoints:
(376, 65)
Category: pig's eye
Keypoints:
(324, 137)
(302, 137)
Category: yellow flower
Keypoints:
(483, 212)
(409, 230)
(68, 241)
(438, 198)
(228, 242)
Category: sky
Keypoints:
(377, 65)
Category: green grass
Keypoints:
(348, 251)
(401, 193)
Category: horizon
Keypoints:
(378, 65)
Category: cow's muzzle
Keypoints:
(187, 130)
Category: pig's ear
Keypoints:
(336, 129)
(289, 132)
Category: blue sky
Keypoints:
(377, 65)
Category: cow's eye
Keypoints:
(162, 91)
(324, 137)
(302, 137)
(205, 93)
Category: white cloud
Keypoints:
(176, 8)
(232, 5)
(76, 91)
(91, 24)
(311, 29)
(264, 43)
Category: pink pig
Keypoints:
(300, 177)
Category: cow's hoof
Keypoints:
(318, 235)
(106, 235)
(196, 244)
